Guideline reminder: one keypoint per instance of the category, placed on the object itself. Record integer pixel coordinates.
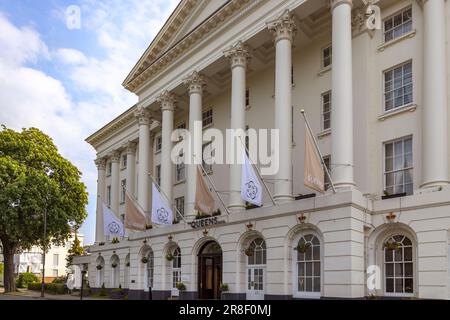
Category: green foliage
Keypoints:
(115, 240)
(2, 267)
(25, 278)
(53, 288)
(181, 286)
(75, 250)
(35, 179)
(61, 279)
(103, 292)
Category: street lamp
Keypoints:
(83, 272)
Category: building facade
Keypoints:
(373, 82)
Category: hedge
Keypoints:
(25, 278)
(53, 288)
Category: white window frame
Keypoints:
(179, 205)
(176, 271)
(158, 144)
(55, 255)
(414, 275)
(207, 120)
(402, 25)
(123, 189)
(304, 294)
(180, 167)
(403, 154)
(322, 96)
(322, 56)
(403, 105)
(158, 174)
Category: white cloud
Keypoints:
(70, 56)
(30, 97)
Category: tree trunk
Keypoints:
(9, 280)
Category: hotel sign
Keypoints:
(209, 221)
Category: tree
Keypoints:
(75, 250)
(36, 180)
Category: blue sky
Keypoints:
(67, 82)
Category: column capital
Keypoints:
(421, 2)
(167, 100)
(284, 27)
(114, 156)
(195, 82)
(335, 3)
(131, 147)
(100, 163)
(142, 114)
(238, 55)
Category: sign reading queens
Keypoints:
(208, 221)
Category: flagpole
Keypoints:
(215, 190)
(302, 111)
(259, 173)
(165, 196)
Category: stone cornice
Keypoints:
(154, 67)
(238, 55)
(195, 83)
(284, 27)
(118, 123)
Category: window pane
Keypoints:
(389, 179)
(308, 284)
(408, 270)
(388, 255)
(398, 270)
(316, 252)
(389, 285)
(389, 270)
(398, 285)
(409, 286)
(388, 24)
(398, 254)
(301, 269)
(316, 284)
(301, 284)
(317, 269)
(308, 269)
(408, 253)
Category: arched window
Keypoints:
(115, 271)
(176, 270)
(100, 267)
(126, 275)
(398, 265)
(307, 268)
(256, 269)
(148, 276)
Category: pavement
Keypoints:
(25, 294)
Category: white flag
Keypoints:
(251, 189)
(161, 211)
(111, 224)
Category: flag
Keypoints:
(204, 201)
(251, 189)
(134, 218)
(112, 225)
(161, 211)
(314, 176)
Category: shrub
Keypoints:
(53, 288)
(24, 279)
(103, 292)
(61, 279)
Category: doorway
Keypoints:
(209, 271)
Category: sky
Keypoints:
(63, 75)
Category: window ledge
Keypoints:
(410, 34)
(407, 108)
(324, 133)
(179, 182)
(324, 70)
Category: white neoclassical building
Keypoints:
(377, 100)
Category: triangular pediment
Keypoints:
(187, 16)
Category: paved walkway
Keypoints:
(24, 294)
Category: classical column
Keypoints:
(167, 101)
(284, 31)
(434, 113)
(115, 184)
(195, 83)
(144, 120)
(239, 57)
(101, 171)
(131, 167)
(342, 95)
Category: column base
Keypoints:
(236, 207)
(434, 184)
(283, 198)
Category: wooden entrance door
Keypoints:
(209, 274)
